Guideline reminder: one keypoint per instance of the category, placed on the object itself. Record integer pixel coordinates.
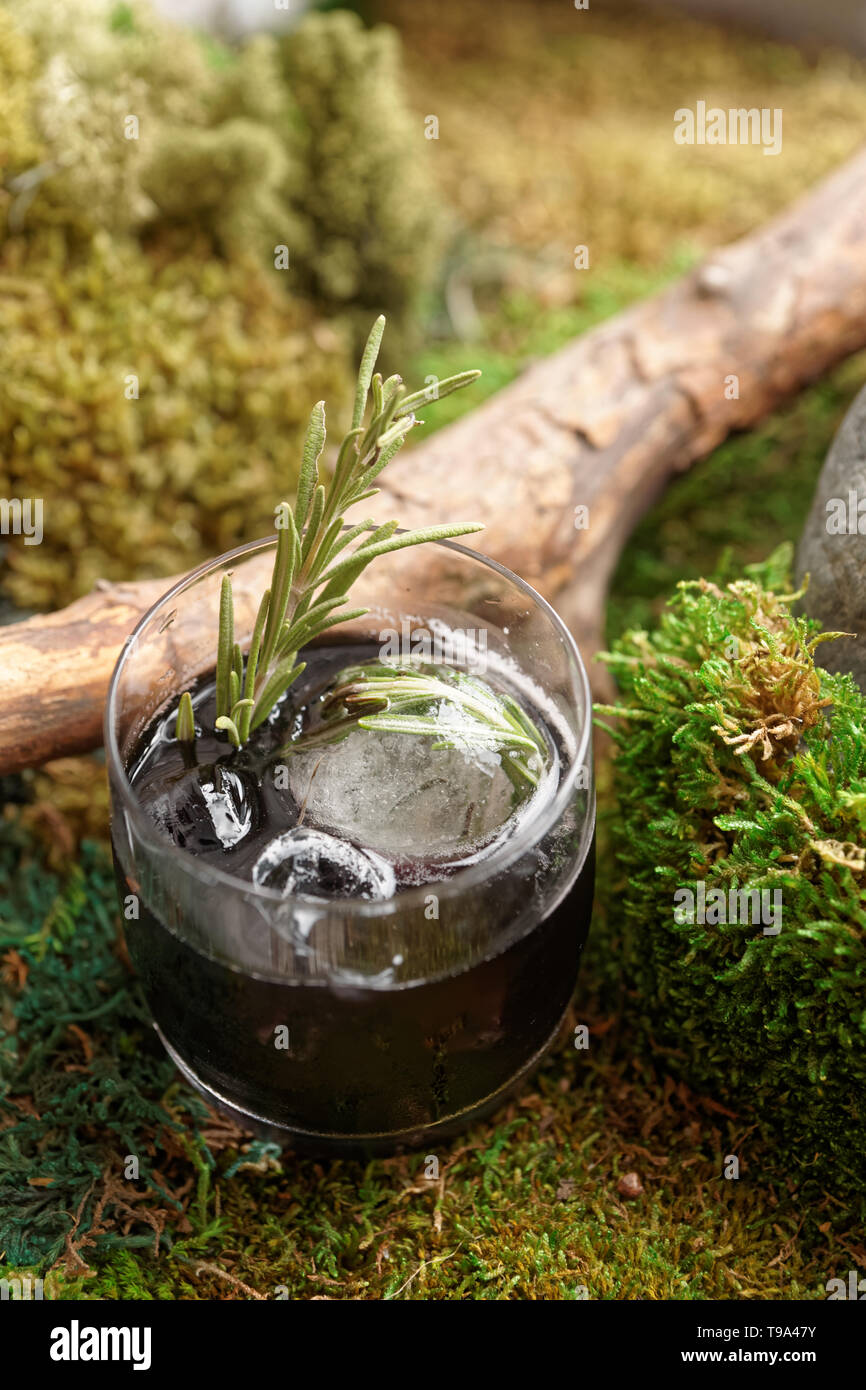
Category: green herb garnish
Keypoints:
(443, 703)
(318, 557)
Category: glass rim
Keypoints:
(461, 880)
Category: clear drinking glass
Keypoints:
(347, 1024)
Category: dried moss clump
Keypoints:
(147, 484)
(741, 765)
(363, 158)
(157, 354)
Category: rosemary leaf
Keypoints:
(314, 443)
(346, 460)
(318, 556)
(255, 644)
(382, 422)
(344, 537)
(306, 620)
(380, 534)
(225, 646)
(300, 638)
(184, 729)
(326, 547)
(284, 675)
(397, 432)
(419, 399)
(365, 375)
(445, 705)
(281, 585)
(345, 572)
(384, 457)
(495, 738)
(229, 727)
(364, 496)
(314, 523)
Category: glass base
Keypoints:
(309, 1141)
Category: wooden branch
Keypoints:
(602, 424)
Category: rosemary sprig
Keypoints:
(443, 703)
(314, 567)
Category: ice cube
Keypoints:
(204, 808)
(400, 795)
(305, 860)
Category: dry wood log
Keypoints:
(602, 424)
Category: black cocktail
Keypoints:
(362, 938)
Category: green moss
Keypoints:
(374, 233)
(155, 258)
(741, 765)
(18, 66)
(157, 404)
(525, 1207)
(556, 126)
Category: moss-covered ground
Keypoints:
(541, 1201)
(539, 1204)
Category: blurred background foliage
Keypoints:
(155, 258)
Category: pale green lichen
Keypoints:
(158, 351)
(346, 84)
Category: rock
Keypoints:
(630, 1186)
(832, 550)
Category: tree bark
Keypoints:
(603, 424)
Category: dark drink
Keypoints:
(365, 1068)
(366, 940)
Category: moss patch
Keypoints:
(170, 301)
(540, 110)
(539, 1204)
(741, 780)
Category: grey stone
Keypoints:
(836, 563)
